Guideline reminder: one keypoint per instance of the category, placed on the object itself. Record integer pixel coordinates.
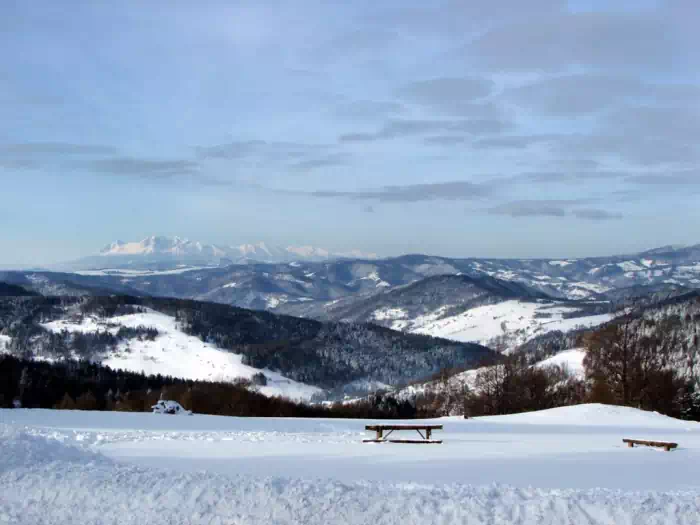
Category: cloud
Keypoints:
(624, 40)
(146, 168)
(326, 161)
(368, 209)
(648, 136)
(55, 148)
(445, 140)
(273, 151)
(568, 176)
(399, 128)
(680, 178)
(39, 155)
(593, 214)
(513, 141)
(576, 94)
(454, 97)
(457, 17)
(455, 190)
(436, 90)
(533, 208)
(553, 208)
(369, 109)
(584, 93)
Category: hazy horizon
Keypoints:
(464, 129)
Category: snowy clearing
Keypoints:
(522, 321)
(5, 341)
(180, 355)
(571, 360)
(559, 466)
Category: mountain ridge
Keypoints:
(162, 253)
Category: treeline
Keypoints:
(81, 385)
(648, 359)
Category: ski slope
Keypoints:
(518, 321)
(563, 466)
(178, 354)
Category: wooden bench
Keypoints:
(381, 438)
(660, 444)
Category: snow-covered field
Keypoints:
(561, 466)
(178, 354)
(521, 320)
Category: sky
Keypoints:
(462, 128)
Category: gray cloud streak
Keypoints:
(455, 190)
(593, 214)
(553, 208)
(55, 148)
(408, 128)
(146, 168)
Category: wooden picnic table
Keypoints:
(667, 446)
(381, 438)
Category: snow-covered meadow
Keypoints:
(561, 466)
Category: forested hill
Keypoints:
(12, 290)
(453, 294)
(328, 355)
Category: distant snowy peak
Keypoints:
(180, 248)
(155, 245)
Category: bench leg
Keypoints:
(630, 445)
(380, 434)
(667, 449)
(427, 434)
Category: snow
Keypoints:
(523, 321)
(169, 407)
(139, 273)
(561, 466)
(630, 266)
(273, 301)
(383, 314)
(230, 285)
(5, 341)
(560, 263)
(374, 276)
(177, 354)
(571, 360)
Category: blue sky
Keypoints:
(461, 128)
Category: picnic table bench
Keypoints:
(660, 444)
(381, 438)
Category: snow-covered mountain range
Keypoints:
(479, 300)
(168, 253)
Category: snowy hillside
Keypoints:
(507, 325)
(553, 467)
(177, 354)
(193, 339)
(570, 361)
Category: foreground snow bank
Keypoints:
(45, 481)
(595, 415)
